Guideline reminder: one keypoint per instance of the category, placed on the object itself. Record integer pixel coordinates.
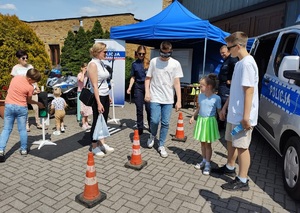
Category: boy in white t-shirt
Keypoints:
(242, 109)
(162, 78)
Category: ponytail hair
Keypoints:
(212, 79)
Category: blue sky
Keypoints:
(35, 10)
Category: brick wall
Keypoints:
(166, 3)
(55, 31)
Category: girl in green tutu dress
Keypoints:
(206, 128)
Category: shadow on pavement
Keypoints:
(64, 146)
(188, 156)
(232, 204)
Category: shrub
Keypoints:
(15, 35)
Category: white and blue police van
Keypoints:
(277, 55)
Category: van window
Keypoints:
(296, 50)
(262, 51)
(286, 47)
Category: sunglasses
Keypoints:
(165, 55)
(105, 52)
(229, 48)
(141, 54)
(24, 58)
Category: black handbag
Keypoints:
(86, 96)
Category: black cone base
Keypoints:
(90, 203)
(179, 139)
(136, 167)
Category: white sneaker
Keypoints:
(98, 152)
(150, 141)
(86, 127)
(206, 170)
(162, 152)
(62, 129)
(200, 165)
(107, 149)
(56, 132)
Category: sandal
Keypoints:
(41, 127)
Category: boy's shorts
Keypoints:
(59, 116)
(241, 139)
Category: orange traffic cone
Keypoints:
(91, 195)
(179, 136)
(136, 161)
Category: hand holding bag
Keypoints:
(101, 130)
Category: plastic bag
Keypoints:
(101, 130)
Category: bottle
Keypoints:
(237, 129)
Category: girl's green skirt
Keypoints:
(206, 129)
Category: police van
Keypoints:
(277, 55)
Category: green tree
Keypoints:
(15, 35)
(68, 49)
(97, 31)
(76, 46)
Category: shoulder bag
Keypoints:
(86, 96)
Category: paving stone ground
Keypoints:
(48, 179)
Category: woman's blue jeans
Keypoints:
(160, 112)
(11, 113)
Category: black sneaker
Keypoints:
(224, 171)
(141, 131)
(236, 185)
(2, 156)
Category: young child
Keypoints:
(206, 129)
(19, 93)
(58, 105)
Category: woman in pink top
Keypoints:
(84, 110)
(19, 94)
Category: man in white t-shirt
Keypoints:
(162, 78)
(242, 109)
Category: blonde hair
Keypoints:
(238, 37)
(34, 74)
(57, 91)
(146, 61)
(97, 48)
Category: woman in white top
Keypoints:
(21, 69)
(98, 75)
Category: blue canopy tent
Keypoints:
(179, 26)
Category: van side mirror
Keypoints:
(288, 63)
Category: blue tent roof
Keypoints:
(173, 23)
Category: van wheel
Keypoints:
(291, 167)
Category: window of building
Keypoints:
(54, 54)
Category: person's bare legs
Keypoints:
(244, 162)
(101, 142)
(203, 150)
(208, 151)
(84, 121)
(58, 127)
(232, 154)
